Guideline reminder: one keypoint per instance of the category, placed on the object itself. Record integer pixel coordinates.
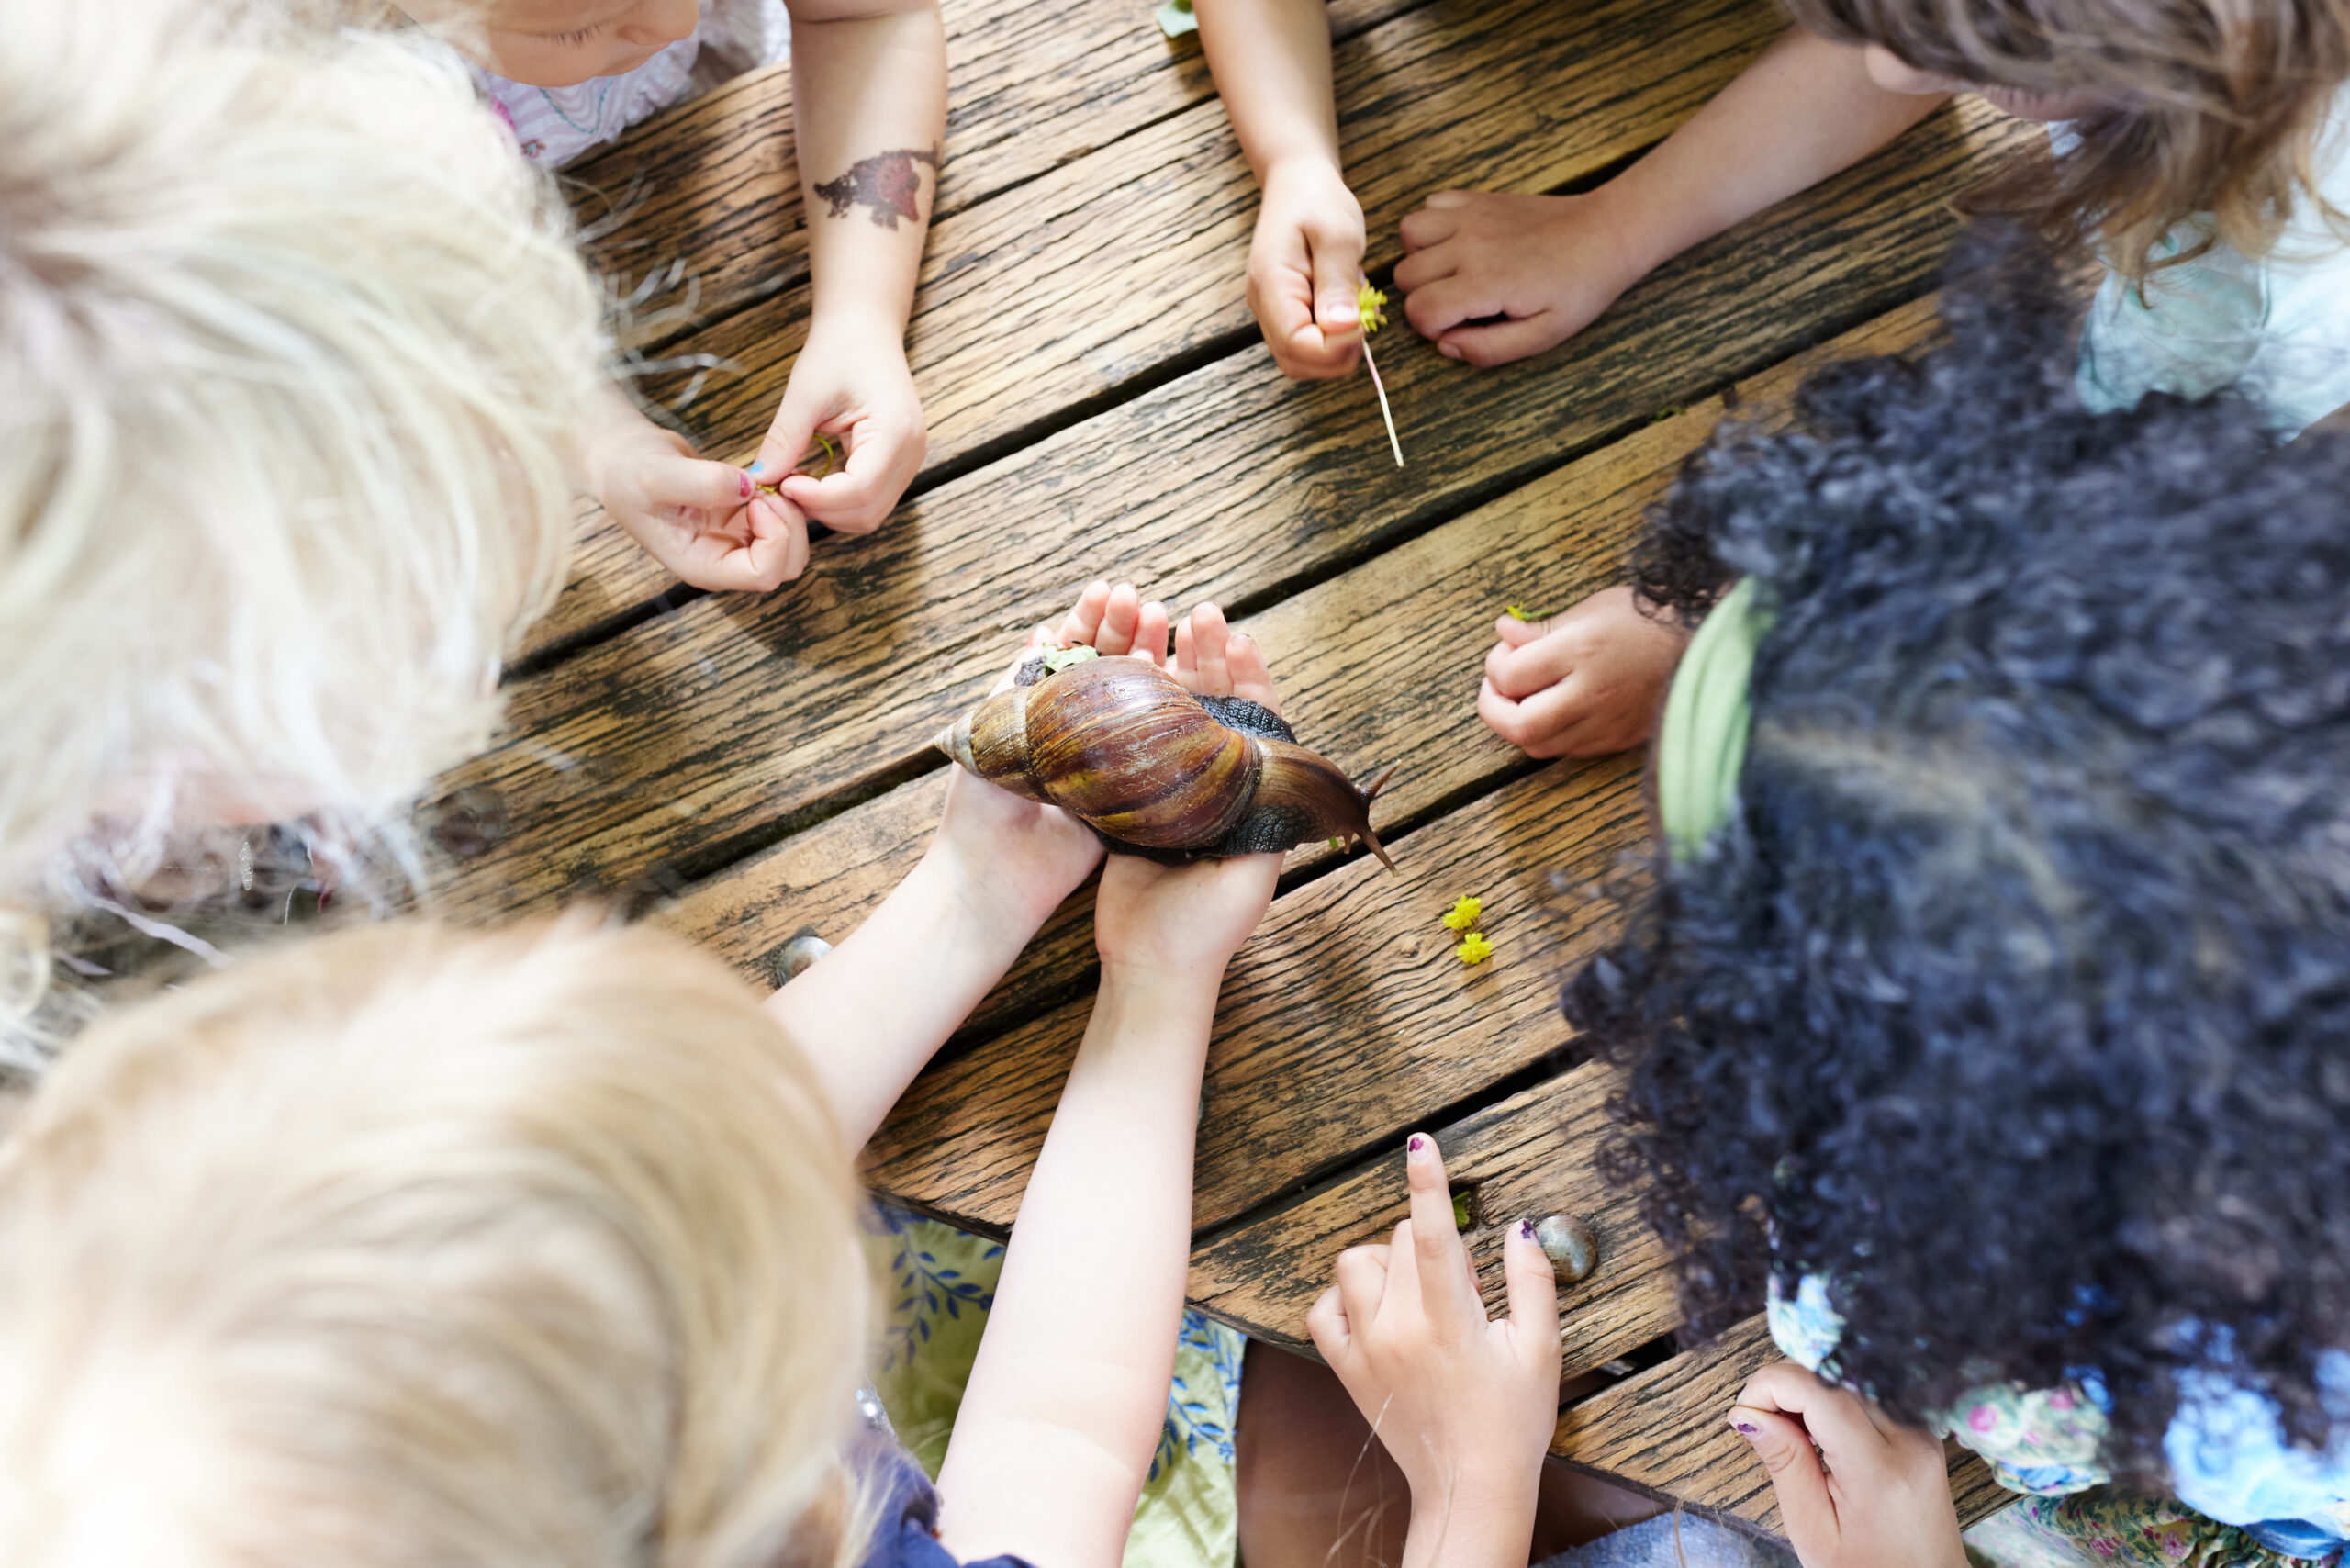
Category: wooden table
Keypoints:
(1099, 404)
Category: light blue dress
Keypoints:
(2277, 328)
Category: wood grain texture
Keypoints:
(1344, 1020)
(690, 736)
(1666, 1431)
(1379, 665)
(1110, 267)
(1119, 263)
(715, 184)
(1526, 1158)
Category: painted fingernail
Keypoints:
(749, 485)
(1526, 1228)
(1416, 1144)
(757, 469)
(1747, 1429)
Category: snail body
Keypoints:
(1121, 745)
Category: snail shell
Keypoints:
(1119, 744)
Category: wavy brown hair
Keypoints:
(2217, 107)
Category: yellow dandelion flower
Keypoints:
(1475, 951)
(1371, 308)
(1464, 913)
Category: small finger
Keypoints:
(1442, 201)
(1121, 618)
(1251, 677)
(1421, 231)
(1516, 633)
(1433, 308)
(1083, 622)
(1447, 1292)
(1150, 632)
(778, 538)
(1805, 1505)
(1210, 639)
(1533, 1286)
(1337, 274)
(1538, 666)
(696, 482)
(1361, 1275)
(1325, 1324)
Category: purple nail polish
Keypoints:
(1526, 1228)
(1416, 1144)
(1749, 1428)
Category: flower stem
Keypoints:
(1380, 387)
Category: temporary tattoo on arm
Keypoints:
(885, 185)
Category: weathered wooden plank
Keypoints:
(1113, 265)
(1344, 1019)
(1667, 1430)
(1118, 263)
(1223, 484)
(715, 184)
(1529, 1155)
(1379, 664)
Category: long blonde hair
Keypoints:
(402, 1247)
(295, 351)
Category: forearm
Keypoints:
(1803, 111)
(1480, 1525)
(879, 1005)
(1272, 63)
(1062, 1416)
(869, 111)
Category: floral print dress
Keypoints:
(2245, 1497)
(940, 1282)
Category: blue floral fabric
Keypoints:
(2230, 1462)
(940, 1284)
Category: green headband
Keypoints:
(1701, 746)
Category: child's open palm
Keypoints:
(1856, 1488)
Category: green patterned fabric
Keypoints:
(2107, 1528)
(940, 1282)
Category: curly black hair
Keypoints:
(2014, 996)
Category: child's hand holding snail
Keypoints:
(1186, 922)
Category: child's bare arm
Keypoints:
(874, 1010)
(1272, 60)
(1549, 264)
(868, 82)
(1062, 1416)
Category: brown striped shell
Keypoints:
(1121, 745)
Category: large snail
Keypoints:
(1121, 745)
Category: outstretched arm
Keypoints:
(1062, 1416)
(874, 1010)
(868, 88)
(1804, 110)
(1271, 61)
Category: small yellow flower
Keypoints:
(1516, 612)
(1464, 913)
(1475, 951)
(1371, 308)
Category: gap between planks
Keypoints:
(696, 734)
(1028, 307)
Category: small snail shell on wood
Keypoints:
(1121, 745)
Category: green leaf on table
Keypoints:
(1175, 19)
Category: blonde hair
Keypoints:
(402, 1247)
(294, 354)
